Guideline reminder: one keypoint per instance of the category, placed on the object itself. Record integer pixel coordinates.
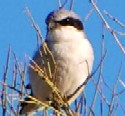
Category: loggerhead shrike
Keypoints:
(72, 52)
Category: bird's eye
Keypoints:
(69, 21)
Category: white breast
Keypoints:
(74, 56)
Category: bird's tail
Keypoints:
(27, 107)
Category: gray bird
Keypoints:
(72, 52)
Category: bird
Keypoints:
(72, 52)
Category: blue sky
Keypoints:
(16, 31)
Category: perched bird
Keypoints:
(72, 52)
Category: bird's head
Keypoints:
(63, 24)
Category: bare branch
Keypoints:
(108, 26)
(71, 5)
(114, 19)
(3, 97)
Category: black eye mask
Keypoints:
(69, 21)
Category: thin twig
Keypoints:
(114, 19)
(100, 75)
(63, 5)
(71, 5)
(88, 14)
(108, 26)
(59, 3)
(3, 96)
(87, 79)
(114, 91)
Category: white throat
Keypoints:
(65, 34)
